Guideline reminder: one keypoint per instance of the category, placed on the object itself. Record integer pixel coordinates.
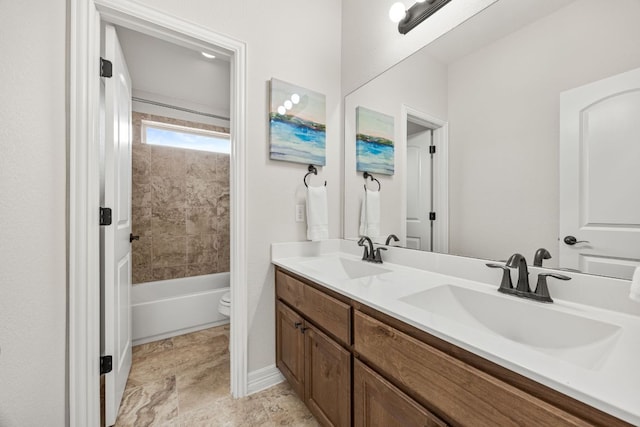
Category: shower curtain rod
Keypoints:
(174, 107)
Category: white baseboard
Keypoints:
(264, 378)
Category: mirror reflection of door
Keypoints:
(419, 186)
(599, 202)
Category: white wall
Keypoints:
(504, 114)
(32, 213)
(371, 43)
(419, 82)
(297, 41)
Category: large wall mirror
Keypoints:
(534, 111)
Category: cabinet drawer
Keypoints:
(325, 311)
(376, 402)
(457, 392)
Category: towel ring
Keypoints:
(368, 175)
(312, 170)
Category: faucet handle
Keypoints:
(506, 276)
(378, 256)
(542, 290)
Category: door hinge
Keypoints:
(105, 216)
(432, 149)
(432, 216)
(106, 68)
(106, 364)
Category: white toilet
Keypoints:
(224, 306)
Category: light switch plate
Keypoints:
(299, 212)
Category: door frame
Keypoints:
(440, 172)
(83, 318)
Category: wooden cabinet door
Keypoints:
(327, 379)
(290, 347)
(377, 403)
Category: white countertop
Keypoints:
(612, 385)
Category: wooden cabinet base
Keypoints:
(402, 376)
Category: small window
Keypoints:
(167, 135)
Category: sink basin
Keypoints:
(344, 269)
(578, 340)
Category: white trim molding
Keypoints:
(83, 197)
(440, 172)
(84, 291)
(264, 378)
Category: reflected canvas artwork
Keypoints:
(374, 142)
(297, 124)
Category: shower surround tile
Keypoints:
(168, 273)
(141, 221)
(141, 163)
(201, 221)
(169, 251)
(168, 191)
(140, 195)
(168, 161)
(180, 208)
(199, 192)
(187, 384)
(167, 221)
(141, 252)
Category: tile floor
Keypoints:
(184, 381)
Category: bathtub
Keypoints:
(173, 307)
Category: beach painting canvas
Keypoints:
(374, 142)
(297, 124)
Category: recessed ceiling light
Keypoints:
(208, 55)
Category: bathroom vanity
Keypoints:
(360, 345)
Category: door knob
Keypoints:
(571, 240)
(132, 237)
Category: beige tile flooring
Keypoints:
(184, 381)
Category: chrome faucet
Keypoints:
(522, 288)
(370, 254)
(391, 236)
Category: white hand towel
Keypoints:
(634, 293)
(317, 214)
(370, 214)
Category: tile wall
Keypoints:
(180, 208)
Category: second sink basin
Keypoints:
(344, 269)
(579, 340)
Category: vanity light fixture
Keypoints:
(409, 19)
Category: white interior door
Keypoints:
(419, 191)
(116, 319)
(600, 176)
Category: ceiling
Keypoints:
(173, 74)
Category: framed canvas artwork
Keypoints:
(374, 142)
(297, 124)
